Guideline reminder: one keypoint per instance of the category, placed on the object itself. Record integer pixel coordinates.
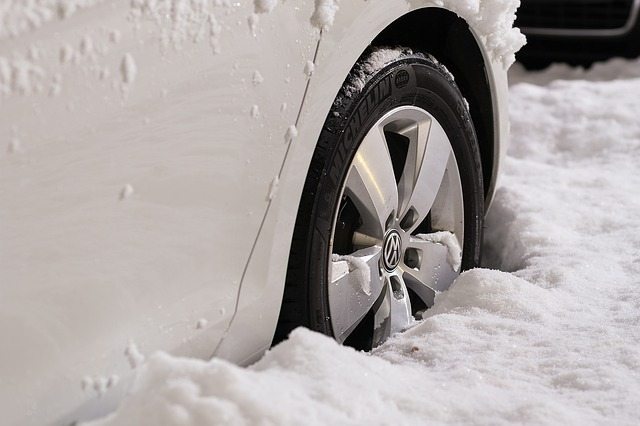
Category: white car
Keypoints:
(199, 176)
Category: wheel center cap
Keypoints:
(391, 250)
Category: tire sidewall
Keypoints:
(411, 81)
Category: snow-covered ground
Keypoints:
(555, 339)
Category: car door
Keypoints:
(141, 142)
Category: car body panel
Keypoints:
(128, 210)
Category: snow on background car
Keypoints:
(554, 339)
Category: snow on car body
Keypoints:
(154, 162)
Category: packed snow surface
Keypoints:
(555, 340)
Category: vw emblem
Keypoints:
(391, 250)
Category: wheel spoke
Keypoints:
(433, 271)
(401, 317)
(447, 212)
(371, 184)
(354, 289)
(415, 127)
(430, 165)
(393, 315)
(361, 240)
(404, 171)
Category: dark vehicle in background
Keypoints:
(578, 32)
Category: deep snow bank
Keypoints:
(311, 380)
(555, 341)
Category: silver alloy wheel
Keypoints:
(387, 255)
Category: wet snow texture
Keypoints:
(20, 16)
(556, 341)
(365, 69)
(324, 13)
(180, 21)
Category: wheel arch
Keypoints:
(445, 35)
(357, 27)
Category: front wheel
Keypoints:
(392, 209)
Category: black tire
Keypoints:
(412, 79)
